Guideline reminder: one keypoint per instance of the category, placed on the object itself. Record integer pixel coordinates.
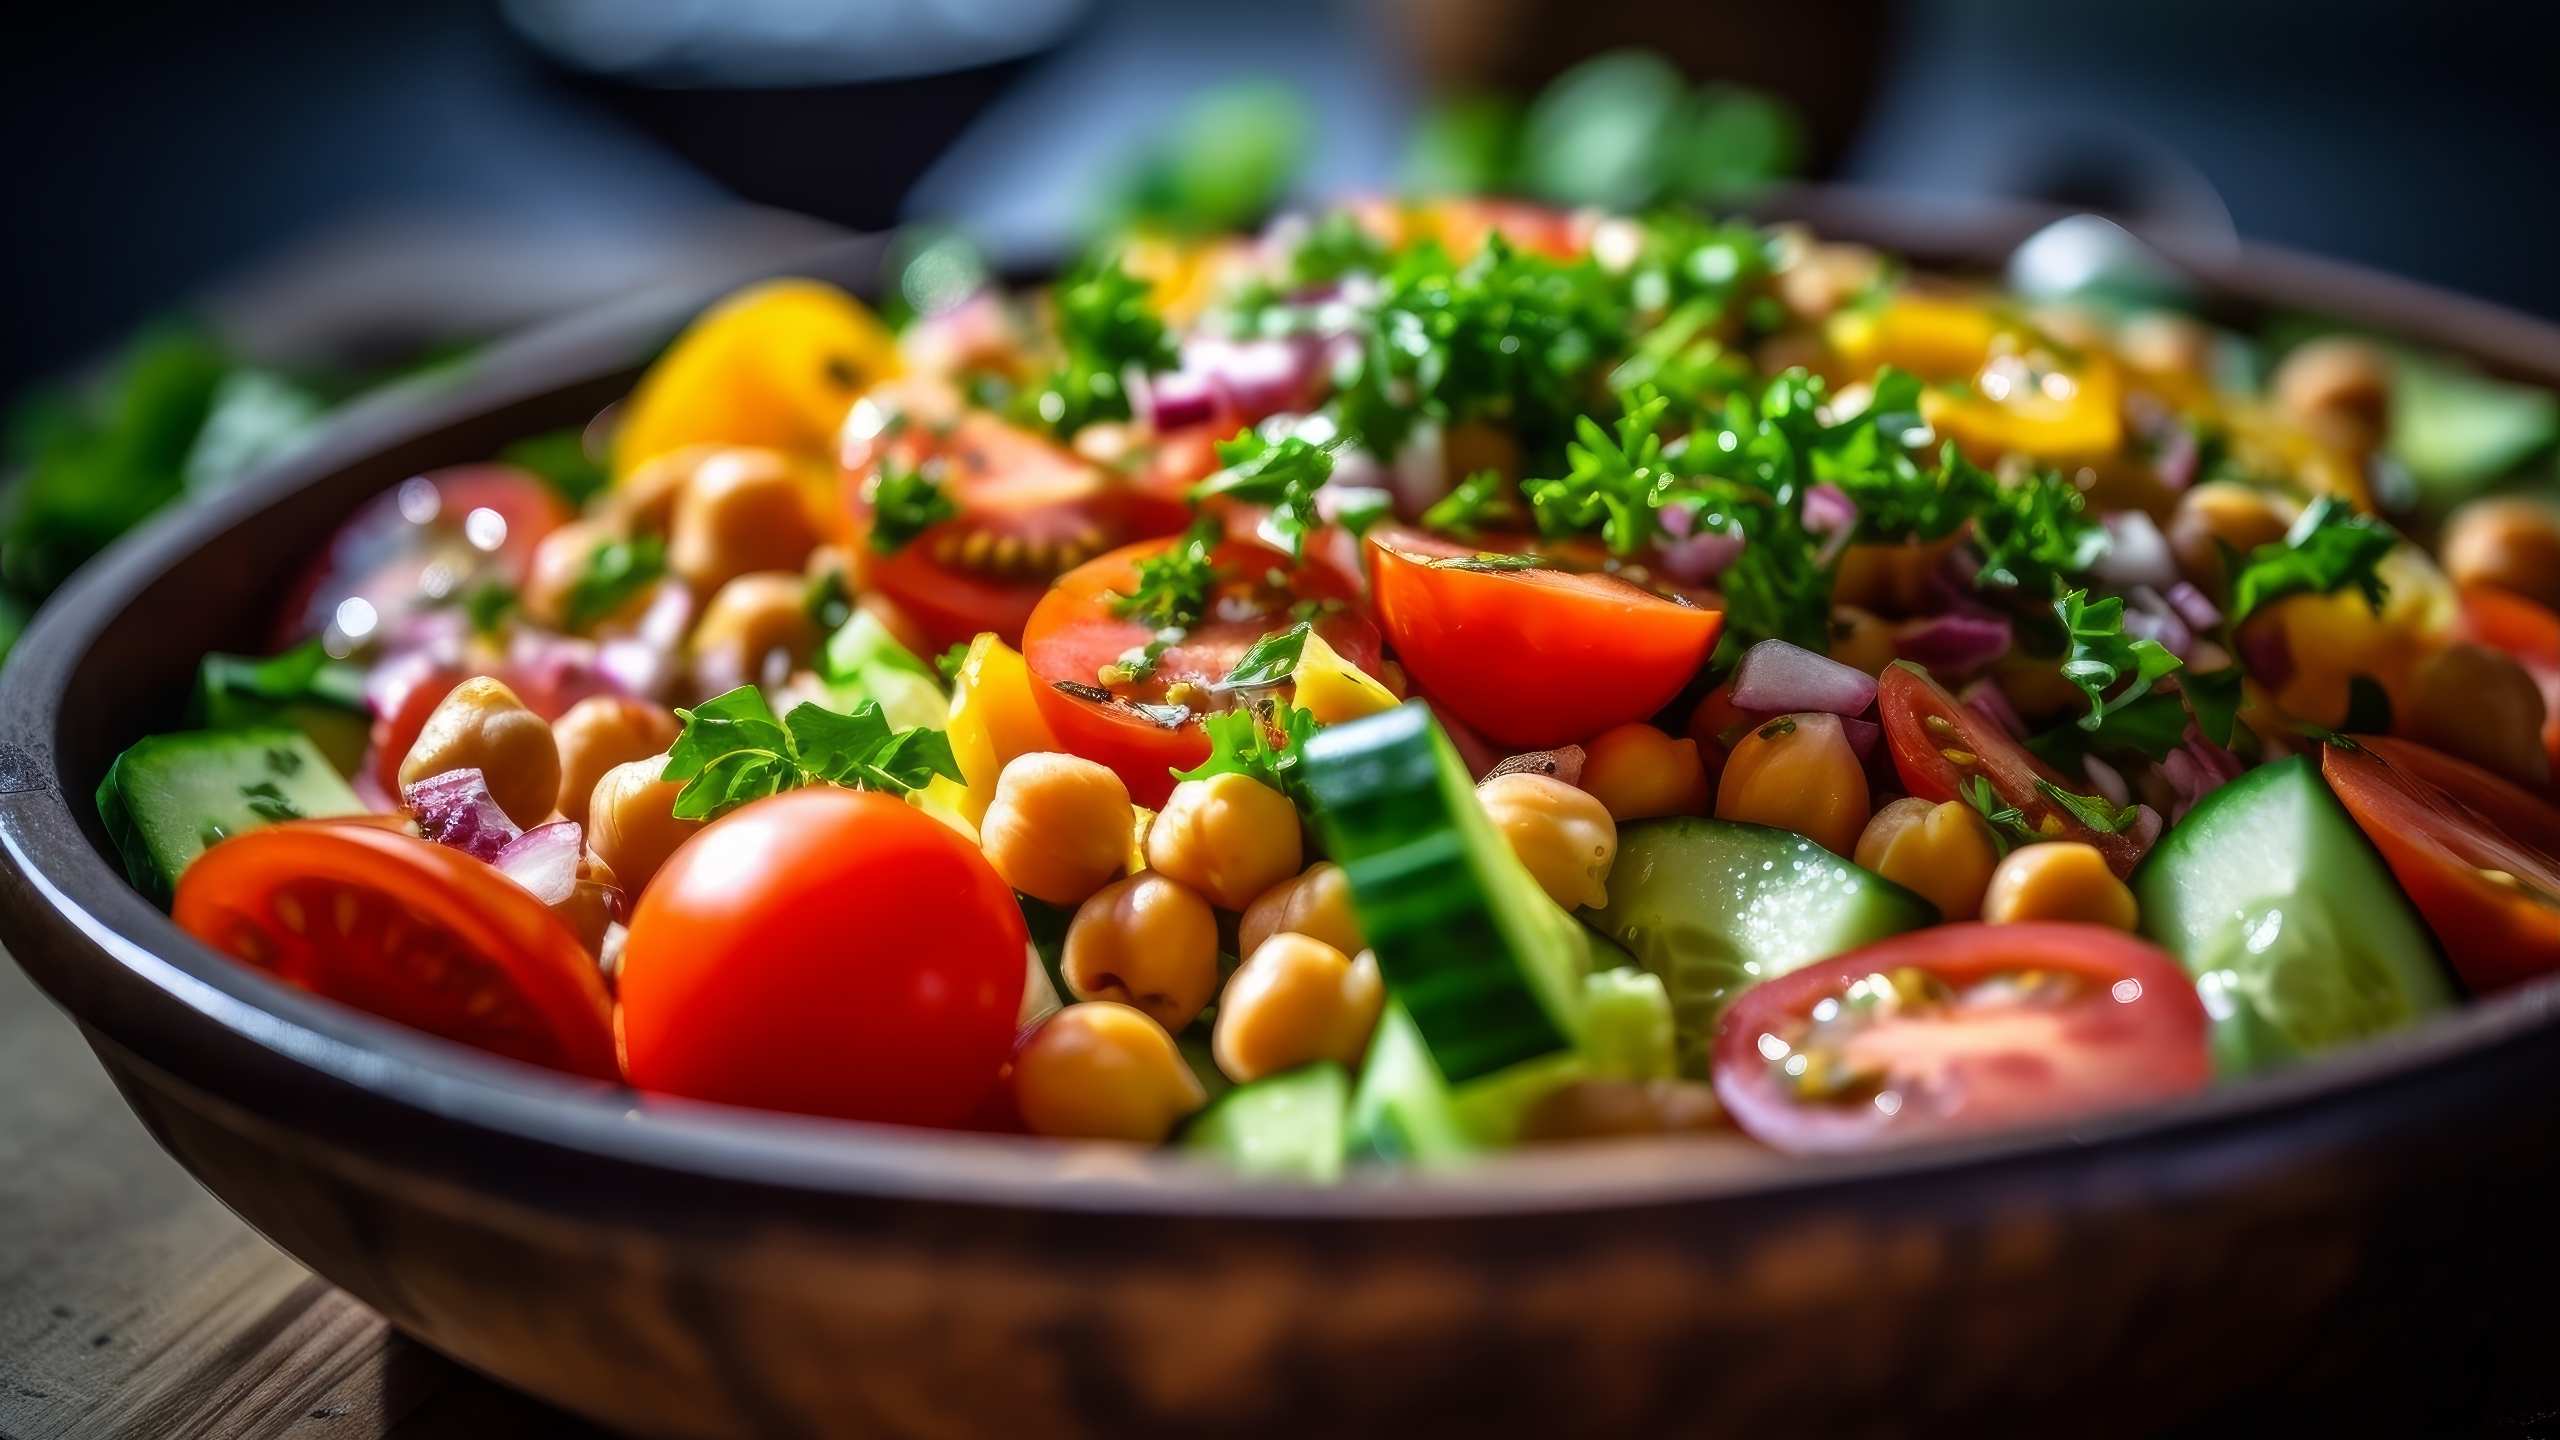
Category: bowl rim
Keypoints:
(71, 901)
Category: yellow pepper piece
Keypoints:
(2334, 638)
(1933, 337)
(2026, 403)
(994, 717)
(775, 365)
(1141, 820)
(1332, 689)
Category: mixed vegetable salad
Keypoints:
(1423, 679)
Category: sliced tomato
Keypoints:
(1028, 511)
(2479, 857)
(1532, 655)
(431, 538)
(1939, 742)
(1956, 1030)
(2528, 631)
(1145, 729)
(408, 930)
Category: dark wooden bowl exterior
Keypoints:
(2363, 1242)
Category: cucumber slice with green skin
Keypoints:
(1629, 1032)
(2296, 935)
(1714, 907)
(1488, 967)
(1291, 1126)
(170, 796)
(1402, 1111)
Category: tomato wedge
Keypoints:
(408, 930)
(2479, 857)
(1939, 741)
(1146, 728)
(1956, 1030)
(2528, 631)
(432, 537)
(1528, 653)
(1028, 511)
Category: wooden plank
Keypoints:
(133, 1304)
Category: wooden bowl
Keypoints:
(2363, 1241)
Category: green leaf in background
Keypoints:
(256, 416)
(1223, 162)
(1466, 145)
(560, 457)
(1599, 134)
(2458, 430)
(1732, 141)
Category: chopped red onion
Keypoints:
(1775, 675)
(1862, 736)
(1420, 474)
(2109, 780)
(2196, 769)
(544, 860)
(2192, 605)
(1695, 559)
(552, 672)
(1176, 400)
(1828, 509)
(2137, 553)
(2148, 616)
(1990, 702)
(1239, 381)
(2176, 461)
(1563, 763)
(1954, 644)
(2145, 830)
(456, 809)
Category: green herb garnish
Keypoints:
(1478, 503)
(2331, 547)
(732, 750)
(2009, 828)
(906, 501)
(1173, 586)
(1269, 660)
(2090, 810)
(1262, 740)
(1282, 475)
(560, 457)
(1106, 325)
(614, 572)
(2102, 656)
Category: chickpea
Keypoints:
(1942, 852)
(1798, 773)
(481, 725)
(2221, 513)
(1562, 834)
(1637, 772)
(1825, 277)
(743, 511)
(2058, 880)
(2164, 342)
(631, 821)
(757, 628)
(1315, 904)
(2339, 388)
(645, 500)
(1230, 837)
(2479, 704)
(1101, 1071)
(2508, 541)
(603, 731)
(1147, 942)
(1058, 828)
(558, 560)
(1296, 1000)
(1860, 640)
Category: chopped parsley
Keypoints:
(1106, 325)
(2332, 547)
(2102, 657)
(906, 501)
(1173, 586)
(1262, 740)
(1269, 660)
(1478, 503)
(1614, 483)
(1281, 475)
(2092, 811)
(732, 750)
(614, 572)
(2009, 827)
(488, 605)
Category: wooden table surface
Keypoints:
(133, 1304)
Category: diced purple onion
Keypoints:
(456, 809)
(563, 669)
(1176, 400)
(2109, 780)
(2175, 464)
(1775, 675)
(1563, 763)
(1954, 644)
(1862, 736)
(1990, 702)
(2144, 832)
(1245, 380)
(2196, 769)
(2137, 553)
(544, 860)
(1698, 558)
(2149, 616)
(2193, 606)
(1420, 474)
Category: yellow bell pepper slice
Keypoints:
(775, 365)
(2025, 403)
(1332, 689)
(994, 717)
(1933, 337)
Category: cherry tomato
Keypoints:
(1959, 1029)
(1028, 511)
(1533, 657)
(2479, 857)
(1078, 630)
(827, 952)
(2529, 632)
(1938, 742)
(405, 929)
(433, 537)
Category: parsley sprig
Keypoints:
(1614, 483)
(1283, 475)
(2103, 658)
(614, 572)
(1173, 586)
(732, 750)
(1262, 740)
(1106, 325)
(2331, 547)
(906, 501)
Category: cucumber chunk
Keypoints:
(1292, 1126)
(1402, 1110)
(2296, 935)
(170, 796)
(1714, 907)
(1487, 967)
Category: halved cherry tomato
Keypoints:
(1956, 1030)
(2479, 857)
(1939, 741)
(1078, 630)
(408, 930)
(2531, 633)
(828, 952)
(427, 541)
(1029, 511)
(1532, 656)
